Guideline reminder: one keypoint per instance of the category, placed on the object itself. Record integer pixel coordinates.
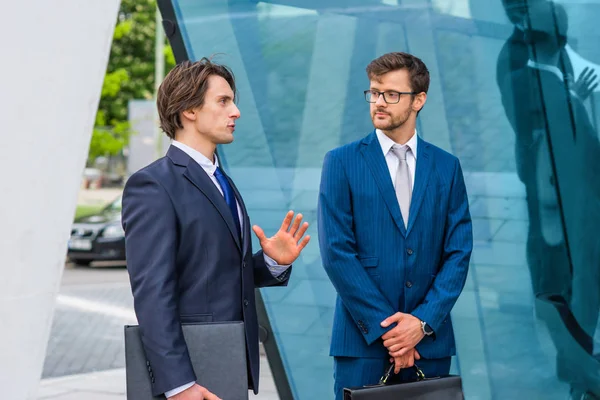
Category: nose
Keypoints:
(235, 112)
(381, 101)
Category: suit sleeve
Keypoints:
(359, 294)
(263, 277)
(458, 244)
(151, 241)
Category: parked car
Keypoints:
(93, 178)
(98, 237)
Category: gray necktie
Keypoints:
(403, 182)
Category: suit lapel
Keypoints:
(245, 228)
(371, 151)
(422, 170)
(196, 175)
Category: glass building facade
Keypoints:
(512, 95)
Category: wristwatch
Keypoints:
(426, 329)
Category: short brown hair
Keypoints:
(419, 74)
(184, 88)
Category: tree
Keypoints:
(129, 75)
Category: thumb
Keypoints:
(390, 320)
(417, 355)
(260, 234)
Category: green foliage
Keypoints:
(86, 210)
(129, 75)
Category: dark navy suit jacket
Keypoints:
(187, 264)
(378, 266)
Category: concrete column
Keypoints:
(54, 59)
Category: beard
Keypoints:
(391, 122)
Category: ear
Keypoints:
(190, 114)
(419, 101)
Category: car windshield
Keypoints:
(115, 205)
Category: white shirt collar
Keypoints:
(546, 67)
(387, 143)
(200, 158)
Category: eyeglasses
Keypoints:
(390, 97)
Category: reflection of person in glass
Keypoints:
(554, 134)
(515, 52)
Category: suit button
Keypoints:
(410, 251)
(152, 380)
(244, 264)
(246, 303)
(408, 284)
(148, 363)
(149, 369)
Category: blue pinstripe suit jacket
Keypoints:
(378, 266)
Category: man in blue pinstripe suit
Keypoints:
(395, 235)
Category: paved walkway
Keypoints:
(98, 197)
(110, 385)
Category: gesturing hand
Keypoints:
(586, 83)
(285, 246)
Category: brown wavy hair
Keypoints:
(184, 88)
(418, 72)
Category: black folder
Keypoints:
(217, 351)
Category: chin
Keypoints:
(380, 125)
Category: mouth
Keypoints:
(231, 126)
(381, 114)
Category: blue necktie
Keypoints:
(229, 195)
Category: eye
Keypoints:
(223, 101)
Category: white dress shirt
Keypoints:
(209, 167)
(392, 160)
(552, 69)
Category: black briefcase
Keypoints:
(436, 388)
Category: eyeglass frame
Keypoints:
(383, 93)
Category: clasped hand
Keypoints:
(401, 340)
(196, 392)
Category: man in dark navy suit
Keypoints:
(187, 233)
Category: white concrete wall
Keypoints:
(54, 57)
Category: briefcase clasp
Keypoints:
(386, 376)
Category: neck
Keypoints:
(198, 143)
(545, 55)
(548, 60)
(402, 134)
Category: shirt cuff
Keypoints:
(275, 269)
(178, 390)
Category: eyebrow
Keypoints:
(224, 96)
(389, 90)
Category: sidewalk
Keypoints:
(110, 385)
(97, 197)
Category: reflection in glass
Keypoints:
(515, 105)
(556, 152)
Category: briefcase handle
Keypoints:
(388, 373)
